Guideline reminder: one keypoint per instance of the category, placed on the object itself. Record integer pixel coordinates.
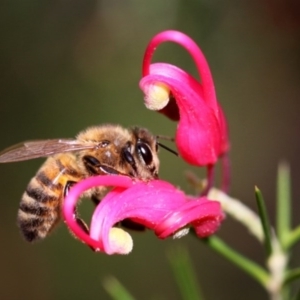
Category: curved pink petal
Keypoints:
(202, 135)
(186, 42)
(146, 202)
(73, 196)
(203, 214)
(199, 133)
(157, 205)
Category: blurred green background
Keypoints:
(66, 65)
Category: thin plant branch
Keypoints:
(184, 274)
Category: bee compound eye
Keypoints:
(145, 152)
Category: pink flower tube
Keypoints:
(157, 204)
(201, 135)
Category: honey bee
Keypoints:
(100, 150)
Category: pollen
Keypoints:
(181, 233)
(107, 153)
(157, 96)
(120, 241)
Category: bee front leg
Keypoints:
(78, 220)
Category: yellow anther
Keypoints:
(120, 241)
(157, 96)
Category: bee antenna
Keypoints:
(167, 148)
(165, 137)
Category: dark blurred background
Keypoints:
(66, 65)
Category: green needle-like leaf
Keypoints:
(115, 289)
(291, 275)
(247, 265)
(264, 221)
(292, 238)
(283, 202)
(184, 274)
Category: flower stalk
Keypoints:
(240, 212)
(277, 277)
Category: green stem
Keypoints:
(115, 289)
(292, 275)
(283, 202)
(184, 274)
(250, 267)
(292, 238)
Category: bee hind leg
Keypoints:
(78, 220)
(83, 226)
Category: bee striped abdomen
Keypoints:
(38, 211)
(39, 208)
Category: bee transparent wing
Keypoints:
(42, 148)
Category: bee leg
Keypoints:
(78, 220)
(83, 226)
(68, 185)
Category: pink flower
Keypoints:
(201, 135)
(156, 204)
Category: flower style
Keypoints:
(157, 205)
(201, 135)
